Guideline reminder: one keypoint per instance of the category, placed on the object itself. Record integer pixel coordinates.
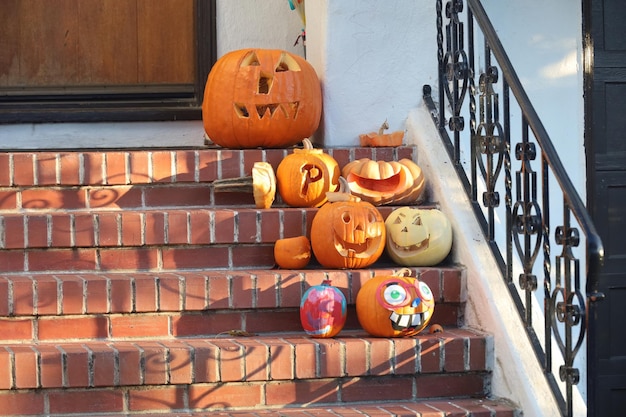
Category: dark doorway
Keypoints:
(605, 141)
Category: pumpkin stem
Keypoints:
(383, 127)
(262, 183)
(404, 272)
(306, 144)
(343, 194)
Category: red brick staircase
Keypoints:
(128, 286)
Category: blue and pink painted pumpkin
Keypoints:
(323, 310)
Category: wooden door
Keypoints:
(605, 137)
(65, 43)
(96, 52)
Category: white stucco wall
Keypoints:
(373, 57)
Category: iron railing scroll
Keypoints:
(519, 189)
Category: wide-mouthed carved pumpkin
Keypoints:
(418, 237)
(347, 232)
(385, 182)
(306, 175)
(261, 98)
(394, 305)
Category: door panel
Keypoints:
(605, 139)
(69, 43)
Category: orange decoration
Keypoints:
(305, 176)
(435, 328)
(261, 98)
(292, 252)
(378, 139)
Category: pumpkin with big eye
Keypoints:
(418, 237)
(395, 305)
(261, 98)
(306, 175)
(347, 232)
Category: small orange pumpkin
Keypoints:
(383, 182)
(292, 252)
(394, 305)
(306, 175)
(347, 232)
(261, 98)
(380, 138)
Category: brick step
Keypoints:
(116, 306)
(132, 167)
(205, 400)
(194, 374)
(151, 240)
(224, 359)
(154, 227)
(132, 228)
(446, 407)
(45, 182)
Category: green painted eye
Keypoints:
(425, 291)
(395, 295)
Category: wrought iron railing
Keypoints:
(519, 190)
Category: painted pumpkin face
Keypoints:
(261, 98)
(323, 310)
(347, 234)
(394, 306)
(417, 237)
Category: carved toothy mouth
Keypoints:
(418, 247)
(403, 322)
(355, 250)
(286, 110)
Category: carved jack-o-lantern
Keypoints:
(394, 305)
(261, 98)
(305, 176)
(347, 232)
(385, 182)
(418, 237)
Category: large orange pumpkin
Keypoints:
(306, 175)
(347, 232)
(261, 98)
(394, 305)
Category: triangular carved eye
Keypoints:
(287, 63)
(241, 111)
(399, 219)
(250, 60)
